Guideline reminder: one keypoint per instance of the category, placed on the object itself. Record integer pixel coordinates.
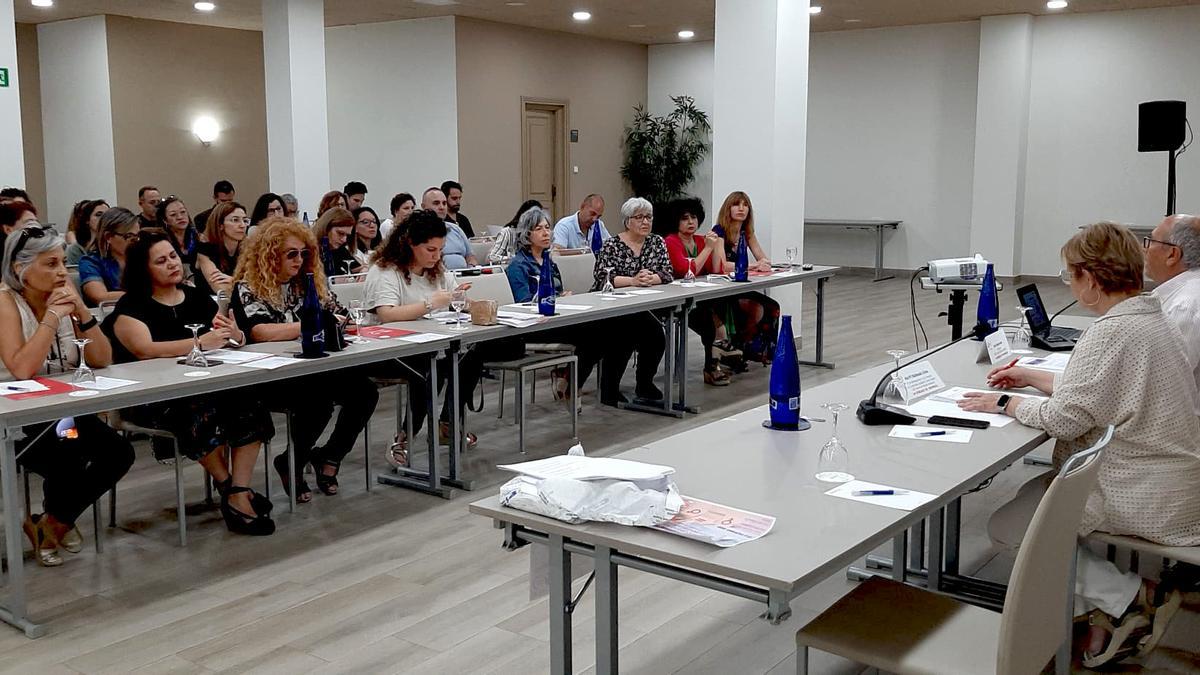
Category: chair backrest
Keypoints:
(494, 230)
(577, 271)
(489, 287)
(1041, 594)
(73, 273)
(480, 248)
(339, 279)
(348, 293)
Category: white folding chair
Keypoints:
(577, 270)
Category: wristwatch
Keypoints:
(1002, 402)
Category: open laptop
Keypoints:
(1045, 336)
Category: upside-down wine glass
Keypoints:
(893, 385)
(608, 284)
(689, 279)
(1024, 336)
(792, 252)
(83, 372)
(833, 465)
(196, 358)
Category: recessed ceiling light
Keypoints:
(515, 4)
(814, 9)
(686, 34)
(637, 25)
(1056, 4)
(204, 6)
(581, 16)
(42, 3)
(853, 20)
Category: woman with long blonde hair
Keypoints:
(268, 295)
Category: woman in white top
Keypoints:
(407, 281)
(1128, 370)
(40, 315)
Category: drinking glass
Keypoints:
(834, 462)
(537, 287)
(608, 284)
(792, 252)
(893, 385)
(689, 279)
(83, 372)
(458, 302)
(196, 358)
(1024, 336)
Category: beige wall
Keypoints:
(31, 117)
(162, 76)
(497, 65)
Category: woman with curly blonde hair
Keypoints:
(268, 294)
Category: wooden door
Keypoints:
(543, 163)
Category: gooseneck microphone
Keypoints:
(873, 413)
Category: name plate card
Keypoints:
(918, 380)
(998, 348)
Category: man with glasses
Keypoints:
(1173, 262)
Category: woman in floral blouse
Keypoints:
(268, 293)
(634, 258)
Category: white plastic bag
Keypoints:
(577, 501)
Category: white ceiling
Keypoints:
(657, 21)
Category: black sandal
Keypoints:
(261, 504)
(327, 484)
(242, 523)
(303, 492)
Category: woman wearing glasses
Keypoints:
(100, 270)
(268, 295)
(269, 205)
(366, 235)
(218, 255)
(151, 321)
(80, 458)
(172, 216)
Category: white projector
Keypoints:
(958, 270)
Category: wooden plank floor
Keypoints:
(396, 582)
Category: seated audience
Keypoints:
(148, 200)
(757, 323)
(456, 254)
(356, 194)
(40, 316)
(454, 194)
(332, 200)
(100, 270)
(173, 219)
(402, 205)
(366, 235)
(149, 322)
(222, 193)
(291, 205)
(1173, 262)
(269, 205)
(14, 215)
(1128, 370)
(218, 256)
(575, 231)
(333, 231)
(703, 255)
(87, 223)
(506, 241)
(268, 299)
(633, 258)
(407, 280)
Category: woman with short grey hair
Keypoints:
(41, 315)
(635, 257)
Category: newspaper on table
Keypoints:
(717, 524)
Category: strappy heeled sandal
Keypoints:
(444, 436)
(326, 483)
(397, 452)
(1122, 640)
(1161, 616)
(303, 492)
(244, 523)
(45, 548)
(261, 504)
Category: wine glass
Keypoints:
(83, 372)
(196, 358)
(608, 284)
(537, 287)
(356, 314)
(1024, 336)
(893, 385)
(792, 252)
(834, 462)
(458, 302)
(689, 279)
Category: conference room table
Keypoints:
(877, 225)
(738, 463)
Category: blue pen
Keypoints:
(927, 434)
(877, 493)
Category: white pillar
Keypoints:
(12, 160)
(1001, 139)
(760, 119)
(297, 120)
(77, 123)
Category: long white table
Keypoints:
(739, 463)
(862, 224)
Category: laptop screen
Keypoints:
(1039, 321)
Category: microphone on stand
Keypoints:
(873, 413)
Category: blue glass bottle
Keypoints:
(987, 316)
(545, 299)
(741, 263)
(784, 392)
(597, 242)
(312, 333)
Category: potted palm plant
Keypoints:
(662, 152)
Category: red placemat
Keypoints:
(383, 332)
(52, 387)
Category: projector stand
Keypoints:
(958, 300)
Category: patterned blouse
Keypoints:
(250, 310)
(616, 257)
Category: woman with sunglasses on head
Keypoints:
(100, 270)
(84, 228)
(172, 216)
(366, 235)
(268, 296)
(217, 257)
(151, 321)
(80, 458)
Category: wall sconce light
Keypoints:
(206, 129)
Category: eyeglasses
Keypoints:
(1065, 276)
(127, 236)
(31, 231)
(275, 211)
(1146, 242)
(368, 221)
(291, 253)
(643, 216)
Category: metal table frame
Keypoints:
(866, 224)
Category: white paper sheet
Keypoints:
(931, 406)
(21, 387)
(232, 356)
(905, 502)
(422, 337)
(270, 363)
(643, 291)
(105, 383)
(519, 322)
(697, 284)
(717, 524)
(911, 432)
(558, 305)
(1055, 362)
(580, 467)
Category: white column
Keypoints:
(297, 120)
(760, 119)
(1001, 139)
(77, 123)
(12, 160)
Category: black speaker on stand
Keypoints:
(1161, 129)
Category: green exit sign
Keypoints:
(3, 77)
